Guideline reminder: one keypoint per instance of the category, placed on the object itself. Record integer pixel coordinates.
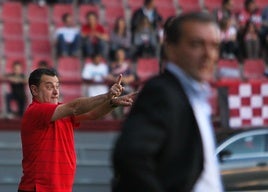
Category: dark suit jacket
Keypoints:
(138, 15)
(160, 147)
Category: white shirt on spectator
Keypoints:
(97, 73)
(69, 33)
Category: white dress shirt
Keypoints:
(209, 180)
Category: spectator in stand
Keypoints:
(145, 39)
(251, 41)
(229, 45)
(225, 11)
(17, 81)
(147, 10)
(251, 13)
(124, 67)
(94, 73)
(67, 37)
(94, 37)
(120, 37)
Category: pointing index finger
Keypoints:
(119, 80)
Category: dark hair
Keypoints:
(224, 2)
(65, 16)
(16, 62)
(248, 2)
(147, 2)
(43, 63)
(173, 30)
(116, 26)
(91, 13)
(36, 75)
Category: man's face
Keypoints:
(48, 90)
(198, 49)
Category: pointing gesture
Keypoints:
(116, 89)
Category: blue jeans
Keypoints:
(20, 100)
(90, 48)
(65, 48)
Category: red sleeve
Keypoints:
(40, 114)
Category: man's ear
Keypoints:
(34, 90)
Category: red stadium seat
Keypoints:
(228, 70)
(238, 5)
(9, 63)
(59, 10)
(166, 3)
(189, 5)
(135, 4)
(253, 69)
(12, 30)
(84, 9)
(36, 60)
(36, 13)
(112, 13)
(40, 47)
(69, 69)
(262, 3)
(14, 48)
(112, 3)
(166, 11)
(210, 5)
(146, 68)
(38, 30)
(12, 11)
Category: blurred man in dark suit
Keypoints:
(167, 141)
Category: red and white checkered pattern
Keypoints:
(248, 104)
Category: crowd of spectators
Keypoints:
(109, 50)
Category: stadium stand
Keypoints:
(253, 69)
(228, 70)
(189, 5)
(94, 139)
(69, 69)
(38, 30)
(83, 9)
(112, 3)
(112, 13)
(40, 47)
(10, 60)
(36, 13)
(12, 11)
(58, 10)
(210, 5)
(36, 59)
(12, 30)
(14, 48)
(146, 68)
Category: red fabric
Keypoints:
(245, 16)
(248, 104)
(88, 31)
(49, 159)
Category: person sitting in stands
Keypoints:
(17, 81)
(94, 73)
(120, 37)
(94, 37)
(67, 37)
